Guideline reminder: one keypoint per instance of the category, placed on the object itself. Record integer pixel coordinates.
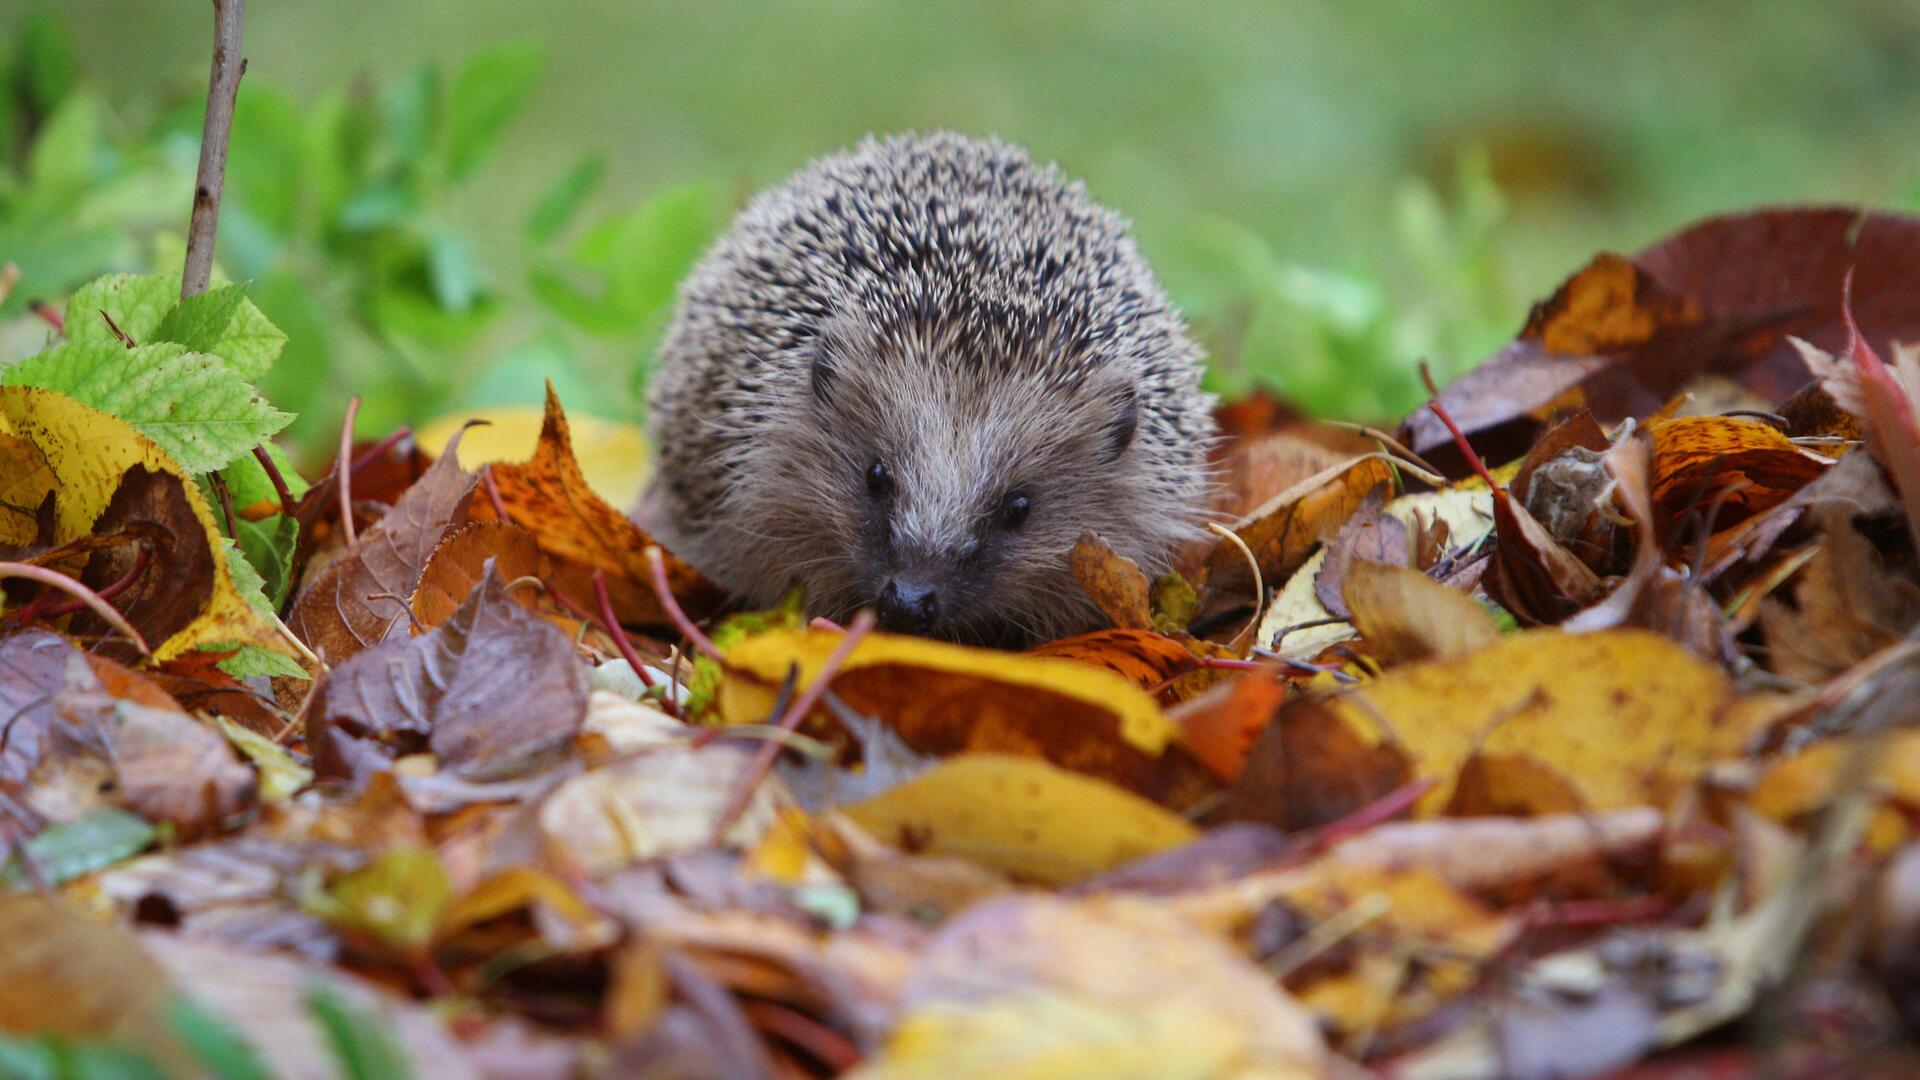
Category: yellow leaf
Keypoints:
(1022, 816)
(1796, 786)
(1405, 615)
(280, 775)
(943, 699)
(87, 452)
(1625, 717)
(1056, 1036)
(614, 456)
(510, 890)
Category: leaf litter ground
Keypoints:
(1566, 730)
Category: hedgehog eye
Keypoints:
(1014, 509)
(879, 481)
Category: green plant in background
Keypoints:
(1349, 342)
(339, 214)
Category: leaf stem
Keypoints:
(657, 571)
(617, 632)
(79, 592)
(287, 504)
(344, 466)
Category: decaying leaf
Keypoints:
(1114, 581)
(1283, 532)
(88, 454)
(494, 691)
(581, 532)
(362, 598)
(1405, 615)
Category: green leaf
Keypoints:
(136, 303)
(450, 268)
(280, 775)
(46, 68)
(226, 1054)
(199, 321)
(249, 483)
(189, 403)
(486, 93)
(249, 661)
(361, 1043)
(63, 156)
(225, 323)
(268, 549)
(65, 850)
(563, 200)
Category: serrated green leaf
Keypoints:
(249, 661)
(65, 850)
(562, 201)
(189, 403)
(199, 321)
(136, 302)
(225, 323)
(486, 93)
(268, 546)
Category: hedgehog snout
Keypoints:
(908, 606)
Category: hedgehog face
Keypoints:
(951, 506)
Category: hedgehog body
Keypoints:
(909, 378)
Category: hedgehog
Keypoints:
(909, 378)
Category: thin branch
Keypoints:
(80, 592)
(615, 631)
(344, 466)
(657, 571)
(223, 85)
(287, 504)
(762, 760)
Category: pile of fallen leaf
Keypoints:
(1570, 729)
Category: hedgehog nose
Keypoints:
(908, 607)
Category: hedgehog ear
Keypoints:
(1124, 423)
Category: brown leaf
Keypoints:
(495, 692)
(1743, 467)
(1533, 575)
(361, 598)
(1115, 582)
(458, 565)
(65, 974)
(1220, 725)
(167, 766)
(549, 496)
(1368, 536)
(1260, 468)
(1283, 532)
(35, 666)
(170, 592)
(1404, 615)
(1846, 606)
(1721, 296)
(1142, 657)
(1309, 768)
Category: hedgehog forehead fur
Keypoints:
(968, 322)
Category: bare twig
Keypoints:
(48, 314)
(287, 504)
(789, 721)
(223, 84)
(80, 592)
(617, 632)
(657, 570)
(345, 469)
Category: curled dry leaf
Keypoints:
(943, 699)
(1712, 298)
(150, 507)
(1368, 536)
(88, 454)
(1739, 467)
(1404, 615)
(1115, 582)
(362, 597)
(1846, 605)
(1284, 531)
(581, 532)
(458, 564)
(1022, 816)
(1309, 767)
(495, 692)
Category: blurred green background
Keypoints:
(445, 203)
